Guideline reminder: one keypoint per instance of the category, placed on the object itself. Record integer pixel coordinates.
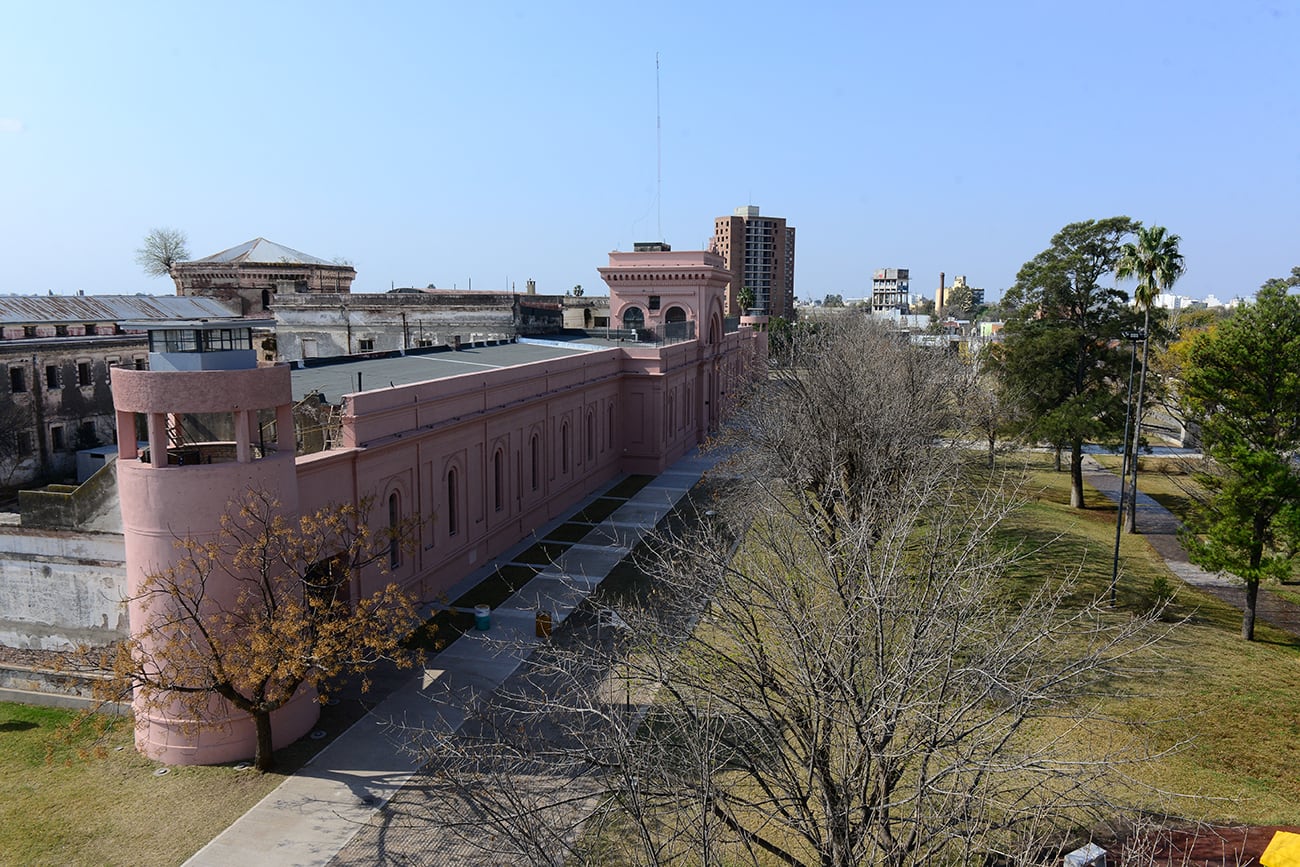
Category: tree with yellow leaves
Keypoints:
(263, 609)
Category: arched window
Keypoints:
(564, 447)
(453, 498)
(394, 522)
(675, 314)
(713, 328)
(266, 300)
(498, 480)
(591, 435)
(633, 317)
(535, 449)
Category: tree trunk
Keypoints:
(264, 758)
(1076, 474)
(1137, 420)
(992, 450)
(1248, 613)
(1058, 458)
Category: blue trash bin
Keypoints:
(482, 617)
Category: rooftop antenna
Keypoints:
(659, 158)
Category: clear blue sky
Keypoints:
(438, 142)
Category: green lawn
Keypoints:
(1228, 708)
(63, 808)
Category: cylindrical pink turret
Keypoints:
(179, 489)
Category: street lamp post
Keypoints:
(1134, 336)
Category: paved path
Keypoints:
(311, 817)
(1159, 527)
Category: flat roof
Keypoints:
(334, 380)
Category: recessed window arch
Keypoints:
(675, 314)
(633, 317)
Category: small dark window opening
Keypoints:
(654, 302)
(17, 380)
(564, 447)
(24, 442)
(326, 581)
(394, 534)
(366, 344)
(141, 364)
(452, 496)
(83, 373)
(51, 376)
(498, 481)
(266, 299)
(56, 438)
(536, 449)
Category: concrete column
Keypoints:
(157, 439)
(126, 445)
(243, 449)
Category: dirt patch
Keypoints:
(1199, 846)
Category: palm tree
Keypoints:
(1156, 263)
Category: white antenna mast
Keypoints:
(659, 159)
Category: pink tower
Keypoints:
(208, 410)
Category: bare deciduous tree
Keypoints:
(163, 247)
(832, 669)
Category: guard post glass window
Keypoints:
(173, 340)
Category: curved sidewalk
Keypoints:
(313, 814)
(1159, 527)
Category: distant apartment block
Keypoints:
(890, 290)
(759, 253)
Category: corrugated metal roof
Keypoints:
(260, 250)
(37, 309)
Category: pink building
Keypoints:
(486, 444)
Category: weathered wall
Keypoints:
(322, 326)
(56, 395)
(60, 589)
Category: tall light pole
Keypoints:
(1133, 336)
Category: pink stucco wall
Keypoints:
(524, 445)
(161, 504)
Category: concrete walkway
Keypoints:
(312, 815)
(1159, 527)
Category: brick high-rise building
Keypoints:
(759, 253)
